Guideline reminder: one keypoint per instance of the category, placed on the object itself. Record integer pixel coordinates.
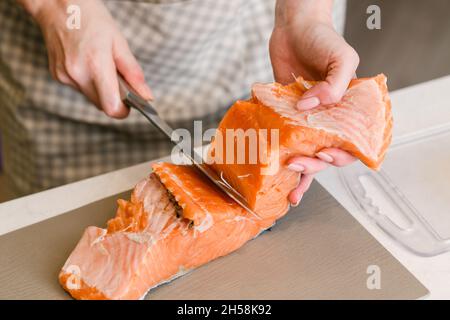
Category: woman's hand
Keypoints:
(88, 59)
(305, 43)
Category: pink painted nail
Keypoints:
(296, 167)
(298, 202)
(325, 157)
(308, 103)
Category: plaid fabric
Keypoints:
(198, 56)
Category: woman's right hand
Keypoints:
(89, 58)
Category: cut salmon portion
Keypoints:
(361, 123)
(177, 220)
(129, 257)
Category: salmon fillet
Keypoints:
(150, 242)
(361, 123)
(176, 220)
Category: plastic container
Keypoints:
(409, 198)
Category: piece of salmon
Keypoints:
(361, 123)
(176, 220)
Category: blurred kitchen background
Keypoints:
(412, 46)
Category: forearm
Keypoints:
(288, 11)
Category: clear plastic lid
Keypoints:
(409, 198)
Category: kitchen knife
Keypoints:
(131, 99)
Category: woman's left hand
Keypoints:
(305, 43)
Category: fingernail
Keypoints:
(298, 202)
(308, 103)
(148, 94)
(296, 167)
(325, 157)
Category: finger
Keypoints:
(79, 71)
(86, 84)
(340, 72)
(90, 92)
(51, 64)
(63, 77)
(58, 70)
(306, 165)
(106, 83)
(130, 69)
(336, 157)
(295, 196)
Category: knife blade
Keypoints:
(131, 99)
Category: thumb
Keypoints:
(336, 83)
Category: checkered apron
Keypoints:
(198, 57)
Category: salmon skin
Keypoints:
(177, 220)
